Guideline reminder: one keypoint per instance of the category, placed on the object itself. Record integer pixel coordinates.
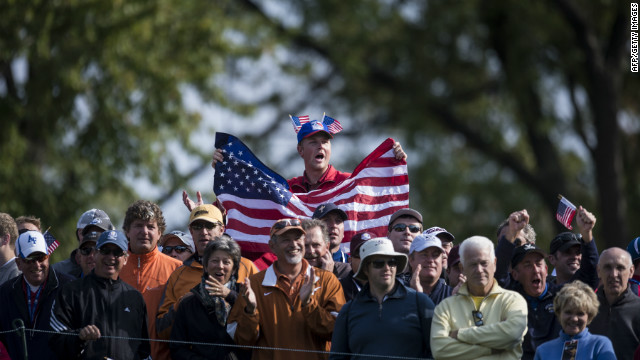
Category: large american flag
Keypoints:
(566, 212)
(256, 196)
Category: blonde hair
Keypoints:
(577, 295)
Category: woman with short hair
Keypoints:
(575, 306)
(210, 300)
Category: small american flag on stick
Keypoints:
(52, 243)
(566, 212)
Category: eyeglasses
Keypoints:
(115, 252)
(206, 225)
(86, 251)
(379, 264)
(402, 227)
(36, 258)
(286, 222)
(477, 317)
(178, 248)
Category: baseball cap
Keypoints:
(423, 241)
(312, 127)
(379, 246)
(437, 231)
(180, 235)
(563, 241)
(90, 236)
(521, 251)
(454, 256)
(356, 242)
(30, 242)
(283, 225)
(113, 237)
(323, 209)
(634, 249)
(206, 212)
(95, 217)
(405, 212)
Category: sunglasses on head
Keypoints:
(287, 222)
(205, 225)
(178, 248)
(402, 227)
(379, 264)
(115, 252)
(86, 251)
(477, 318)
(35, 258)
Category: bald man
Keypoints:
(619, 313)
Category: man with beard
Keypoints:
(334, 217)
(317, 248)
(619, 312)
(290, 304)
(29, 297)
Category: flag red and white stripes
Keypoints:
(255, 196)
(566, 212)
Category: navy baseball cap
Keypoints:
(113, 237)
(521, 251)
(311, 128)
(563, 241)
(323, 209)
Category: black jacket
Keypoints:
(116, 308)
(14, 306)
(195, 323)
(542, 323)
(620, 322)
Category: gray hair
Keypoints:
(529, 232)
(226, 244)
(476, 242)
(308, 224)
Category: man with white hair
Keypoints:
(619, 313)
(483, 320)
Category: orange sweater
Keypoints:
(276, 324)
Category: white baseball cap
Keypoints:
(379, 246)
(423, 241)
(30, 242)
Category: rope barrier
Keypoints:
(22, 329)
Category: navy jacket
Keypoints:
(400, 326)
(14, 305)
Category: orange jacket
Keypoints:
(181, 282)
(148, 273)
(276, 324)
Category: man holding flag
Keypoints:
(378, 185)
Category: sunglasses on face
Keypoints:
(287, 222)
(402, 227)
(205, 225)
(178, 248)
(115, 252)
(379, 264)
(36, 258)
(477, 318)
(86, 251)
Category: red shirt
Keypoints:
(329, 179)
